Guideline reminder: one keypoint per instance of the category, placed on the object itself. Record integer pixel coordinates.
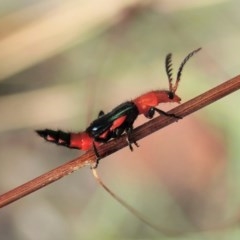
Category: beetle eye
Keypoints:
(171, 95)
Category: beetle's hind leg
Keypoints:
(98, 158)
(101, 140)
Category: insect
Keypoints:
(120, 120)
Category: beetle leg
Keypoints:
(152, 110)
(100, 113)
(129, 141)
(150, 113)
(98, 158)
(118, 132)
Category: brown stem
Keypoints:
(106, 149)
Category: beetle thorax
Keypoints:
(152, 99)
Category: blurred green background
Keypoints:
(61, 62)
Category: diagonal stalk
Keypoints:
(89, 158)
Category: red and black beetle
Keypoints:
(120, 120)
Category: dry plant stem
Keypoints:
(106, 149)
(165, 231)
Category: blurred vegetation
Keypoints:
(61, 62)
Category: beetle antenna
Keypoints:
(168, 65)
(181, 68)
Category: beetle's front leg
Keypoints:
(152, 111)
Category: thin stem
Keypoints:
(88, 159)
(163, 230)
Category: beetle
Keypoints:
(121, 119)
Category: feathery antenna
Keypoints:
(168, 65)
(181, 68)
(169, 69)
